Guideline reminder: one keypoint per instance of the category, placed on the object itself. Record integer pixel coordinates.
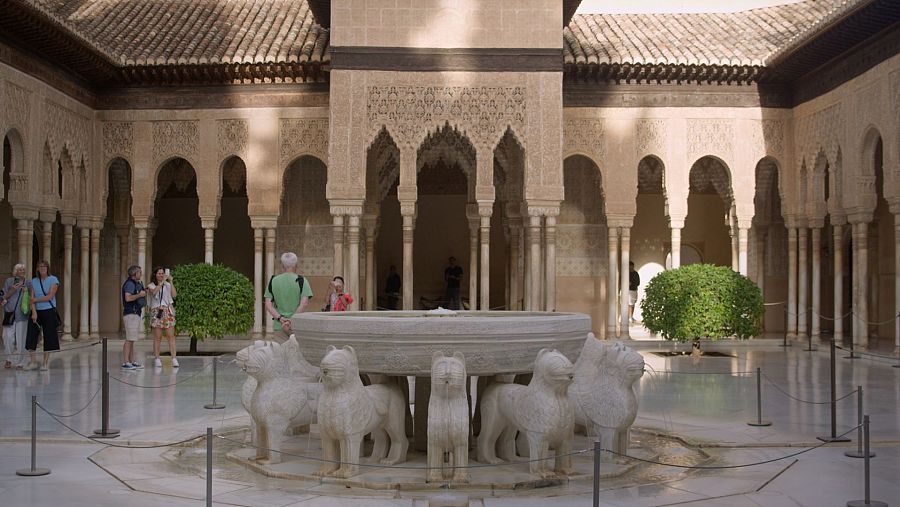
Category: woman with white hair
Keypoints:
(15, 323)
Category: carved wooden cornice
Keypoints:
(627, 73)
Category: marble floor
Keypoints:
(705, 402)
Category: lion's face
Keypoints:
(339, 366)
(554, 369)
(626, 360)
(260, 358)
(448, 372)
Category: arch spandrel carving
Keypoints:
(302, 136)
(178, 138)
(584, 137)
(118, 140)
(17, 106)
(711, 137)
(650, 138)
(231, 138)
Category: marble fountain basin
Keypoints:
(403, 342)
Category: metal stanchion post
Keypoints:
(597, 451)
(105, 431)
(209, 460)
(809, 344)
(859, 453)
(33, 471)
(868, 502)
(833, 437)
(214, 405)
(852, 351)
(759, 421)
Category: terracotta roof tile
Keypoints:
(747, 38)
(178, 32)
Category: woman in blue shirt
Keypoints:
(44, 314)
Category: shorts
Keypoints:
(132, 327)
(165, 322)
(632, 297)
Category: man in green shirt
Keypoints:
(286, 294)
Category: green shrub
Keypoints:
(702, 301)
(213, 301)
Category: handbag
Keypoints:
(9, 318)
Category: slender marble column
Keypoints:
(534, 223)
(46, 240)
(84, 328)
(802, 282)
(142, 250)
(792, 284)
(208, 242)
(897, 281)
(353, 254)
(258, 243)
(861, 310)
(337, 223)
(742, 250)
(735, 249)
(676, 247)
(612, 283)
(485, 292)
(837, 232)
(95, 283)
(514, 267)
(550, 264)
(270, 267)
(814, 329)
(473, 262)
(67, 283)
(371, 279)
(625, 282)
(526, 268)
(408, 232)
(26, 236)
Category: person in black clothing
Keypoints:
(392, 288)
(452, 275)
(634, 281)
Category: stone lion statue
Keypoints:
(448, 418)
(281, 397)
(541, 410)
(298, 368)
(348, 411)
(603, 391)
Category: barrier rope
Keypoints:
(726, 467)
(67, 349)
(180, 381)
(789, 395)
(775, 303)
(733, 373)
(82, 409)
(863, 353)
(99, 440)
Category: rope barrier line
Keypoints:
(67, 349)
(82, 409)
(109, 444)
(727, 467)
(789, 395)
(775, 303)
(862, 353)
(654, 370)
(181, 381)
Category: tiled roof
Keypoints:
(180, 32)
(747, 38)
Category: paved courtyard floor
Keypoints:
(706, 403)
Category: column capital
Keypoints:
(407, 193)
(858, 216)
(47, 215)
(68, 218)
(542, 207)
(894, 204)
(263, 221)
(837, 219)
(346, 207)
(25, 212)
(676, 221)
(208, 222)
(621, 221)
(408, 208)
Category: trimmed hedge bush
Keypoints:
(213, 300)
(702, 301)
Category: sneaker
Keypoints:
(174, 362)
(157, 363)
(127, 366)
(45, 366)
(30, 366)
(136, 365)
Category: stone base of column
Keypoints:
(67, 337)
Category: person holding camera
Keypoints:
(134, 298)
(15, 323)
(338, 300)
(162, 294)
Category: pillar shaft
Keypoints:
(676, 247)
(95, 283)
(612, 283)
(792, 283)
(526, 267)
(142, 252)
(337, 222)
(46, 240)
(84, 328)
(534, 225)
(815, 326)
(802, 282)
(270, 266)
(24, 229)
(353, 261)
(485, 292)
(838, 239)
(550, 265)
(67, 282)
(208, 241)
(861, 306)
(371, 279)
(743, 246)
(624, 274)
(897, 282)
(514, 267)
(408, 231)
(258, 244)
(473, 262)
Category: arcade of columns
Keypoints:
(823, 151)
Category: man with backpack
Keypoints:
(286, 294)
(134, 297)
